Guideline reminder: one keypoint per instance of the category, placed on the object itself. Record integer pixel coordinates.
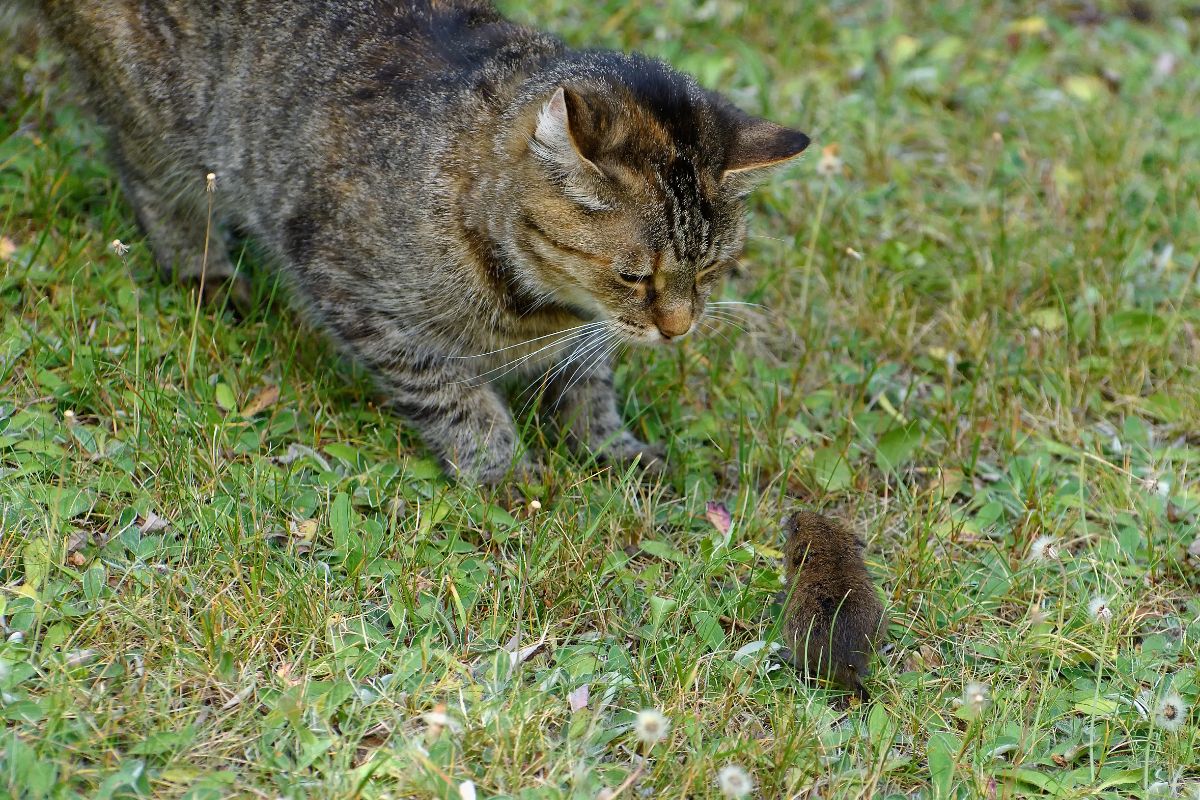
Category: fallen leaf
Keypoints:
(261, 402)
(578, 698)
(153, 523)
(238, 698)
(518, 654)
(719, 516)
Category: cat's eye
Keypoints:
(631, 279)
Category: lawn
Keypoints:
(225, 569)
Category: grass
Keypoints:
(210, 590)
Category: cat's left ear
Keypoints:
(759, 144)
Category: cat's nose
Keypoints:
(674, 322)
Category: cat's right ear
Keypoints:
(557, 144)
(556, 139)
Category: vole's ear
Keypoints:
(759, 144)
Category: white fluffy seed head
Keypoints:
(976, 698)
(1044, 549)
(1170, 713)
(1100, 610)
(734, 781)
(830, 165)
(651, 726)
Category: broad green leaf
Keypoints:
(224, 397)
(940, 752)
(340, 516)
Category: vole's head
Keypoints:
(810, 536)
(636, 182)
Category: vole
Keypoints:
(832, 616)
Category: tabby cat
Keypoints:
(456, 199)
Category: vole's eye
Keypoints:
(632, 279)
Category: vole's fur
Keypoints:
(832, 617)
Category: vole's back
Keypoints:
(832, 615)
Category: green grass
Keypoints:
(1001, 342)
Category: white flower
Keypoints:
(651, 726)
(1100, 610)
(118, 247)
(210, 182)
(976, 698)
(1043, 549)
(734, 781)
(830, 164)
(466, 790)
(1170, 713)
(438, 719)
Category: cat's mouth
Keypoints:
(650, 335)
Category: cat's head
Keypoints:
(634, 206)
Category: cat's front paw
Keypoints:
(650, 458)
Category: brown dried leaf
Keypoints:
(261, 402)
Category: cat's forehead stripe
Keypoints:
(686, 210)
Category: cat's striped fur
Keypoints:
(457, 199)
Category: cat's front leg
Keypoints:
(461, 418)
(585, 404)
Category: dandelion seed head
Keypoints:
(1100, 610)
(118, 247)
(734, 781)
(976, 698)
(1043, 549)
(830, 164)
(210, 182)
(438, 720)
(1170, 713)
(651, 726)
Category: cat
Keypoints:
(456, 199)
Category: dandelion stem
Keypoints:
(812, 247)
(191, 359)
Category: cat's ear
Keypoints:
(560, 142)
(557, 138)
(760, 144)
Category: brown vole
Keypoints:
(832, 615)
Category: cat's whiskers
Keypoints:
(738, 303)
(601, 352)
(709, 327)
(572, 334)
(592, 340)
(732, 321)
(530, 341)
